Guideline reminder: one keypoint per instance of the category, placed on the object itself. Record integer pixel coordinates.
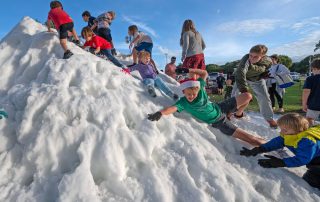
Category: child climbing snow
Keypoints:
(99, 45)
(196, 102)
(64, 24)
(303, 141)
(150, 78)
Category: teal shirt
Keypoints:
(201, 107)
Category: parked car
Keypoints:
(212, 79)
(295, 76)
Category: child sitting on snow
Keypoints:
(141, 41)
(196, 103)
(63, 24)
(303, 141)
(99, 45)
(150, 78)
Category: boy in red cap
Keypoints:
(196, 102)
(64, 24)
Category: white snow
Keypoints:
(77, 131)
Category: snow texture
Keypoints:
(77, 131)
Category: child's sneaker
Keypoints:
(151, 91)
(77, 42)
(175, 97)
(67, 54)
(280, 110)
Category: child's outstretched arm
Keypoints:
(201, 73)
(166, 111)
(48, 25)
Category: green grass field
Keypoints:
(292, 99)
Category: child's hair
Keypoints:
(188, 25)
(316, 63)
(86, 31)
(295, 121)
(228, 82)
(260, 49)
(112, 14)
(143, 54)
(133, 28)
(276, 57)
(55, 4)
(86, 13)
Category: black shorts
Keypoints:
(223, 124)
(63, 30)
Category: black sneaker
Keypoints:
(77, 42)
(175, 97)
(67, 54)
(151, 91)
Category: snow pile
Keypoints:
(77, 131)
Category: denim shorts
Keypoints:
(223, 124)
(144, 46)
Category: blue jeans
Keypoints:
(158, 82)
(107, 52)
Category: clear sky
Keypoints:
(229, 27)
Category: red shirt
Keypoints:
(97, 41)
(59, 17)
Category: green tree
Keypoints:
(213, 68)
(303, 65)
(230, 66)
(285, 60)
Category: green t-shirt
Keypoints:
(201, 107)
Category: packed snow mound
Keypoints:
(77, 131)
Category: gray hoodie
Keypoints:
(193, 44)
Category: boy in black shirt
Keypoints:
(311, 93)
(86, 16)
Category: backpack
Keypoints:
(284, 81)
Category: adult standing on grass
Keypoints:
(274, 89)
(192, 47)
(252, 70)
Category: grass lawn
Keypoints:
(292, 99)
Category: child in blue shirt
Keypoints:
(311, 93)
(303, 141)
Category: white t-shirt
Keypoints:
(143, 38)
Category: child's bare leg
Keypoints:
(135, 56)
(74, 33)
(247, 137)
(63, 43)
(243, 101)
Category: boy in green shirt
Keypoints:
(196, 103)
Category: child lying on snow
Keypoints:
(149, 76)
(99, 45)
(303, 141)
(196, 103)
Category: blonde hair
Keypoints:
(112, 14)
(143, 54)
(188, 25)
(86, 32)
(295, 121)
(260, 49)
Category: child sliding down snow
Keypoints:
(99, 45)
(63, 24)
(303, 141)
(196, 103)
(150, 78)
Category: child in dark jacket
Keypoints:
(303, 141)
(99, 45)
(149, 76)
(64, 24)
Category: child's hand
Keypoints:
(304, 108)
(3, 114)
(271, 162)
(251, 152)
(130, 46)
(182, 70)
(154, 117)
